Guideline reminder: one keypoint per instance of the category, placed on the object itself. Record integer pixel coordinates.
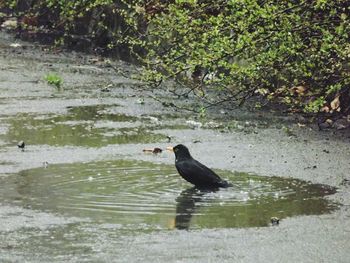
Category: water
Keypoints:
(89, 126)
(98, 126)
(142, 196)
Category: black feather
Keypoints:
(194, 172)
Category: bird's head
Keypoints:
(181, 151)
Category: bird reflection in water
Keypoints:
(186, 205)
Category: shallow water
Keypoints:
(92, 126)
(144, 196)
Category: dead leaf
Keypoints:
(329, 121)
(299, 90)
(154, 150)
(335, 104)
(324, 109)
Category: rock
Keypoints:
(140, 101)
(154, 120)
(21, 145)
(194, 124)
(341, 124)
(275, 221)
(10, 24)
(107, 88)
(345, 182)
(324, 124)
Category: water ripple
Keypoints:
(131, 192)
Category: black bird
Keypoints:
(195, 172)
(21, 145)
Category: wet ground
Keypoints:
(84, 191)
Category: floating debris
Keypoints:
(154, 119)
(15, 45)
(194, 124)
(154, 150)
(140, 101)
(107, 88)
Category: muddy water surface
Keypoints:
(145, 196)
(91, 126)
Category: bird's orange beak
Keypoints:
(170, 149)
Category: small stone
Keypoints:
(105, 89)
(140, 101)
(21, 145)
(345, 182)
(275, 221)
(341, 124)
(154, 120)
(45, 164)
(328, 123)
(194, 124)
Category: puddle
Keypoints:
(141, 196)
(92, 126)
(94, 113)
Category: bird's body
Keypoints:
(194, 172)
